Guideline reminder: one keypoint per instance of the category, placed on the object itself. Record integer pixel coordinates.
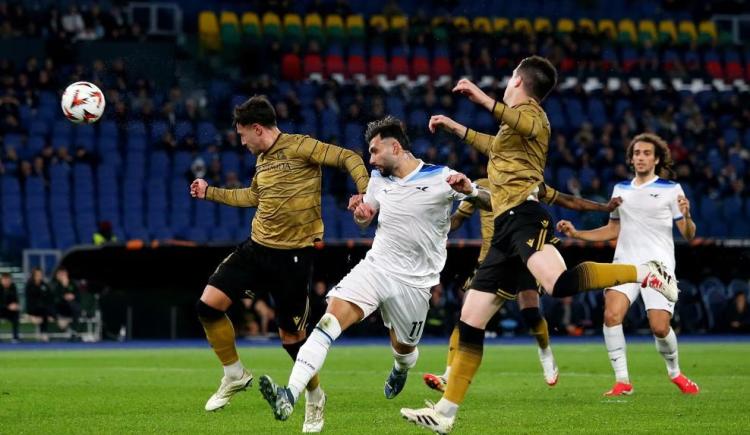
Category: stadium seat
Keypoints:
(271, 26)
(647, 31)
(565, 26)
(542, 25)
(399, 23)
(208, 31)
(230, 31)
(462, 24)
(588, 25)
(313, 64)
(500, 24)
(293, 28)
(607, 29)
(482, 25)
(627, 33)
(667, 32)
(314, 27)
(523, 25)
(707, 34)
(355, 27)
(713, 293)
(335, 28)
(251, 27)
(379, 23)
(686, 32)
(291, 67)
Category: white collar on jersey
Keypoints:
(410, 174)
(647, 183)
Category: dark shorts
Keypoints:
(284, 274)
(519, 233)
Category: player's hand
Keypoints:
(469, 89)
(567, 228)
(460, 183)
(444, 122)
(614, 203)
(354, 201)
(198, 188)
(684, 205)
(363, 213)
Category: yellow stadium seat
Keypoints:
(250, 19)
(208, 30)
(500, 24)
(647, 30)
(686, 31)
(627, 31)
(522, 25)
(229, 17)
(607, 28)
(565, 25)
(482, 24)
(587, 24)
(707, 31)
(379, 21)
(313, 20)
(334, 21)
(292, 20)
(542, 25)
(271, 19)
(667, 31)
(399, 22)
(355, 21)
(462, 23)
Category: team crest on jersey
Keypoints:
(279, 155)
(296, 320)
(530, 242)
(545, 223)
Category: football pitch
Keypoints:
(164, 390)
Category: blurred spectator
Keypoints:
(9, 307)
(104, 234)
(437, 315)
(68, 309)
(737, 314)
(567, 317)
(39, 301)
(318, 304)
(258, 316)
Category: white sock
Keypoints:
(403, 362)
(234, 370)
(614, 339)
(546, 352)
(447, 372)
(313, 353)
(446, 407)
(667, 347)
(314, 395)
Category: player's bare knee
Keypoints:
(659, 329)
(612, 318)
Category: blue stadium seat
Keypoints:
(329, 124)
(205, 214)
(197, 234)
(714, 296)
(158, 128)
(85, 223)
(183, 129)
(230, 162)
(230, 217)
(181, 162)
(13, 140)
(221, 234)
(207, 133)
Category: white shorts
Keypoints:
(404, 308)
(652, 299)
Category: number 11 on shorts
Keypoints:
(416, 327)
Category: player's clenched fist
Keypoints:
(614, 203)
(198, 188)
(363, 213)
(441, 121)
(567, 228)
(460, 183)
(354, 201)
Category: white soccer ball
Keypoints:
(83, 102)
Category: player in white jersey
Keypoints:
(413, 201)
(643, 229)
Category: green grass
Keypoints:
(163, 391)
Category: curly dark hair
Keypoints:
(661, 151)
(390, 126)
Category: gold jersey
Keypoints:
(286, 190)
(517, 153)
(487, 219)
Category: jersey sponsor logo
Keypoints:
(545, 223)
(386, 190)
(279, 155)
(530, 242)
(654, 195)
(422, 188)
(296, 320)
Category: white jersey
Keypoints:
(646, 216)
(413, 223)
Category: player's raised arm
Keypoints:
(604, 233)
(246, 197)
(471, 192)
(552, 196)
(322, 153)
(686, 225)
(482, 142)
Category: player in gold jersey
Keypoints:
(523, 241)
(277, 257)
(528, 298)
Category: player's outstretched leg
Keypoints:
(315, 397)
(402, 362)
(280, 398)
(220, 334)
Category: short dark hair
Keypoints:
(661, 152)
(539, 76)
(256, 110)
(390, 126)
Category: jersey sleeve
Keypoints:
(615, 214)
(454, 195)
(523, 119)
(325, 154)
(547, 194)
(373, 186)
(246, 197)
(676, 213)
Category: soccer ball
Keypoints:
(83, 102)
